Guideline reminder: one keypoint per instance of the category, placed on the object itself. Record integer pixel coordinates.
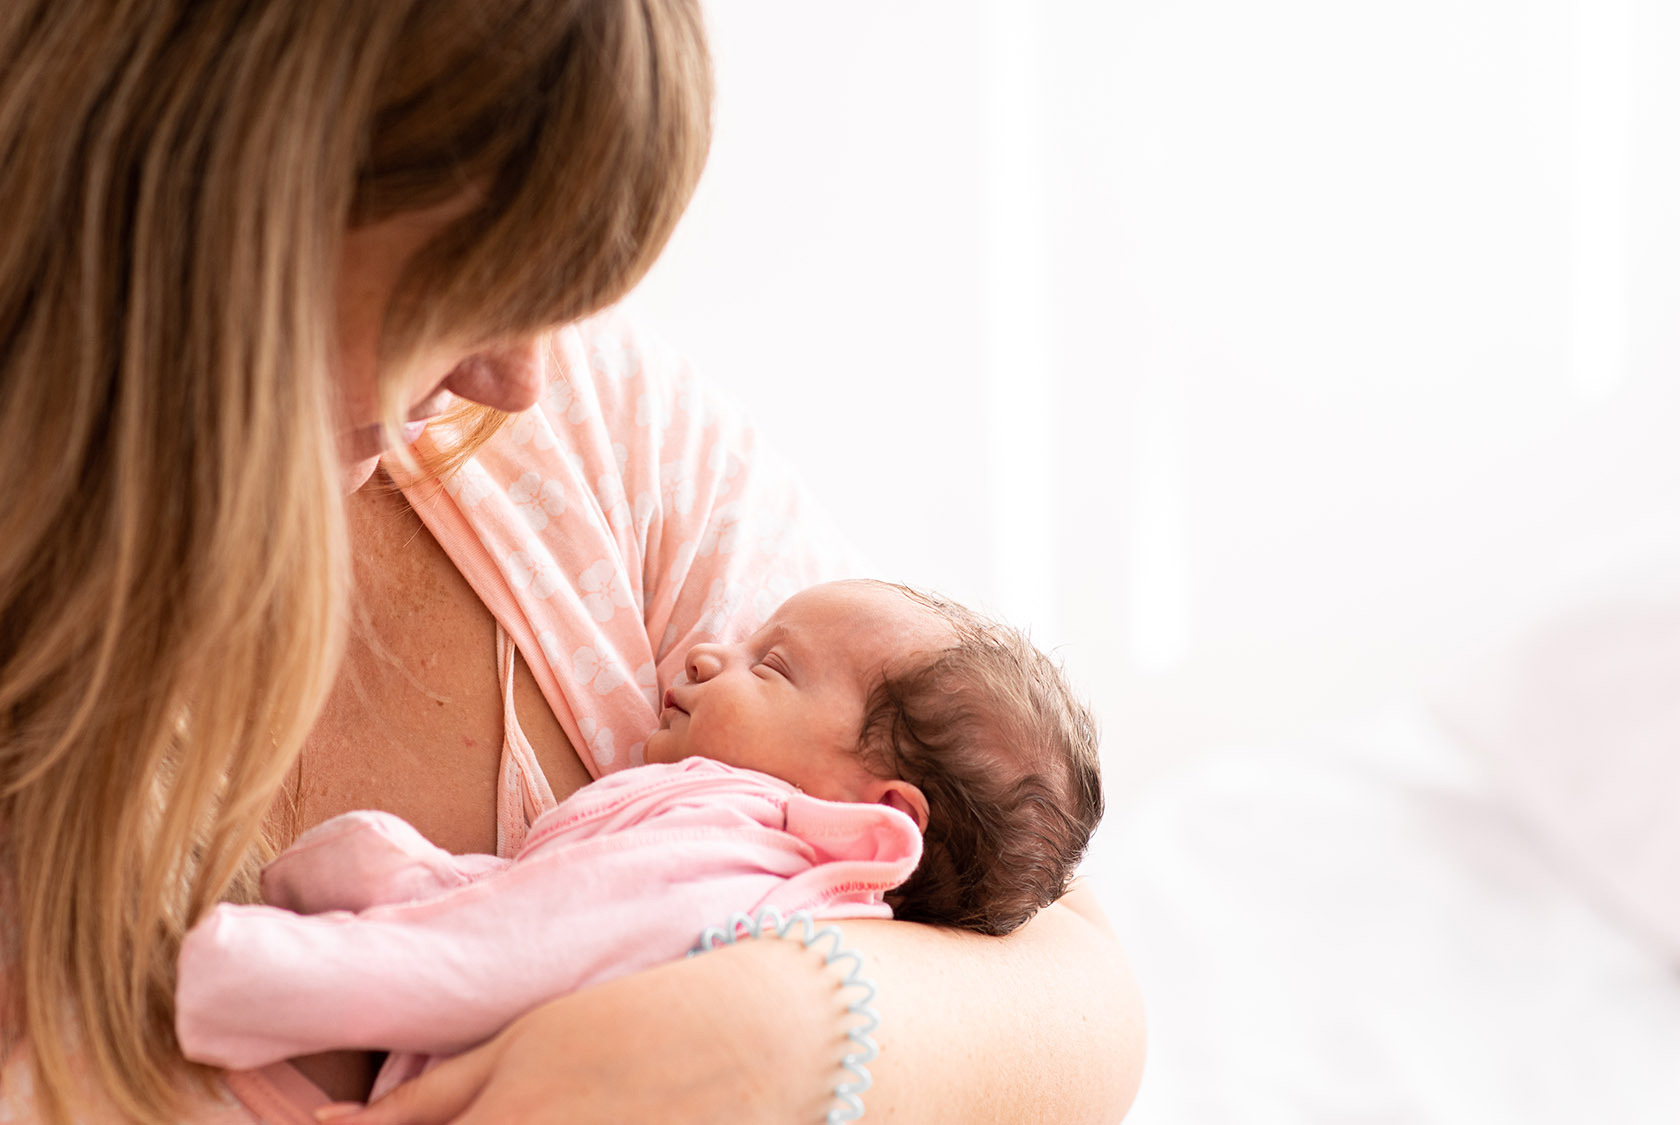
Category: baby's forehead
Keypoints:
(872, 622)
(855, 601)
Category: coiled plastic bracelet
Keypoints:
(856, 1063)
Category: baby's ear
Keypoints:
(907, 799)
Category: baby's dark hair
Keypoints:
(1006, 755)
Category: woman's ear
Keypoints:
(907, 799)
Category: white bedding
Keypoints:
(1357, 928)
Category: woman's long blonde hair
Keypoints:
(178, 177)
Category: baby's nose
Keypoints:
(703, 662)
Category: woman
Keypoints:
(252, 247)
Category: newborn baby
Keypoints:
(865, 691)
(864, 728)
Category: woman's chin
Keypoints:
(357, 474)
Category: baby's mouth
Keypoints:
(671, 703)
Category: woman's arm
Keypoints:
(1044, 1025)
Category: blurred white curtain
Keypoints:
(1263, 357)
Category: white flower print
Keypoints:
(683, 557)
(539, 575)
(557, 397)
(721, 462)
(561, 400)
(677, 488)
(610, 359)
(649, 410)
(549, 641)
(531, 428)
(647, 678)
(618, 518)
(642, 512)
(537, 499)
(600, 741)
(604, 676)
(723, 531)
(469, 485)
(609, 490)
(602, 593)
(722, 606)
(688, 399)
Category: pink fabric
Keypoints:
(626, 517)
(623, 520)
(445, 951)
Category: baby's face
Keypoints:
(790, 699)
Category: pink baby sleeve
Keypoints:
(362, 859)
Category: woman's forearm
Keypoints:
(1043, 1025)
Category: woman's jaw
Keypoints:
(364, 446)
(506, 377)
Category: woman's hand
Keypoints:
(746, 1033)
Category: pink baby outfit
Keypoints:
(443, 951)
(626, 517)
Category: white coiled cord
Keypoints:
(856, 1062)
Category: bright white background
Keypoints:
(1271, 359)
(1264, 357)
